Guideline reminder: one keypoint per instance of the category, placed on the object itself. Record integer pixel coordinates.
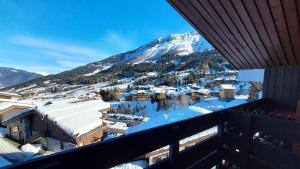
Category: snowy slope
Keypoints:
(178, 44)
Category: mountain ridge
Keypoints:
(162, 55)
(11, 76)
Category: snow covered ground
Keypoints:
(9, 150)
(133, 165)
(31, 149)
(97, 71)
(176, 113)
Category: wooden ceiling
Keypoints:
(249, 33)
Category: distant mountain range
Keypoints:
(11, 76)
(162, 55)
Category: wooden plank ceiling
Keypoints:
(249, 33)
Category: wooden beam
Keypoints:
(205, 9)
(242, 12)
(242, 48)
(265, 14)
(282, 30)
(292, 19)
(260, 27)
(245, 38)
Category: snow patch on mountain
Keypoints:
(97, 71)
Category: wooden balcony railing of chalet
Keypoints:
(236, 143)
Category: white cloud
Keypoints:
(55, 54)
(60, 56)
(59, 47)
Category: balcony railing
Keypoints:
(237, 142)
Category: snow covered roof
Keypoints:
(204, 91)
(219, 78)
(9, 94)
(152, 74)
(230, 78)
(227, 86)
(6, 105)
(172, 93)
(141, 91)
(24, 111)
(76, 118)
(159, 90)
(230, 71)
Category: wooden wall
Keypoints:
(282, 85)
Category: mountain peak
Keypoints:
(180, 36)
(178, 43)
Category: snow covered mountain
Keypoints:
(11, 76)
(178, 44)
(161, 55)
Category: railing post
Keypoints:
(220, 135)
(247, 138)
(174, 150)
(173, 154)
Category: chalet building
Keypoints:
(209, 83)
(128, 97)
(140, 87)
(230, 73)
(199, 94)
(227, 92)
(78, 123)
(140, 95)
(230, 80)
(243, 89)
(9, 108)
(10, 96)
(255, 79)
(19, 125)
(218, 81)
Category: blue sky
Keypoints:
(51, 36)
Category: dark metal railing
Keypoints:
(126, 148)
(255, 141)
(234, 144)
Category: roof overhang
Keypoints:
(248, 33)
